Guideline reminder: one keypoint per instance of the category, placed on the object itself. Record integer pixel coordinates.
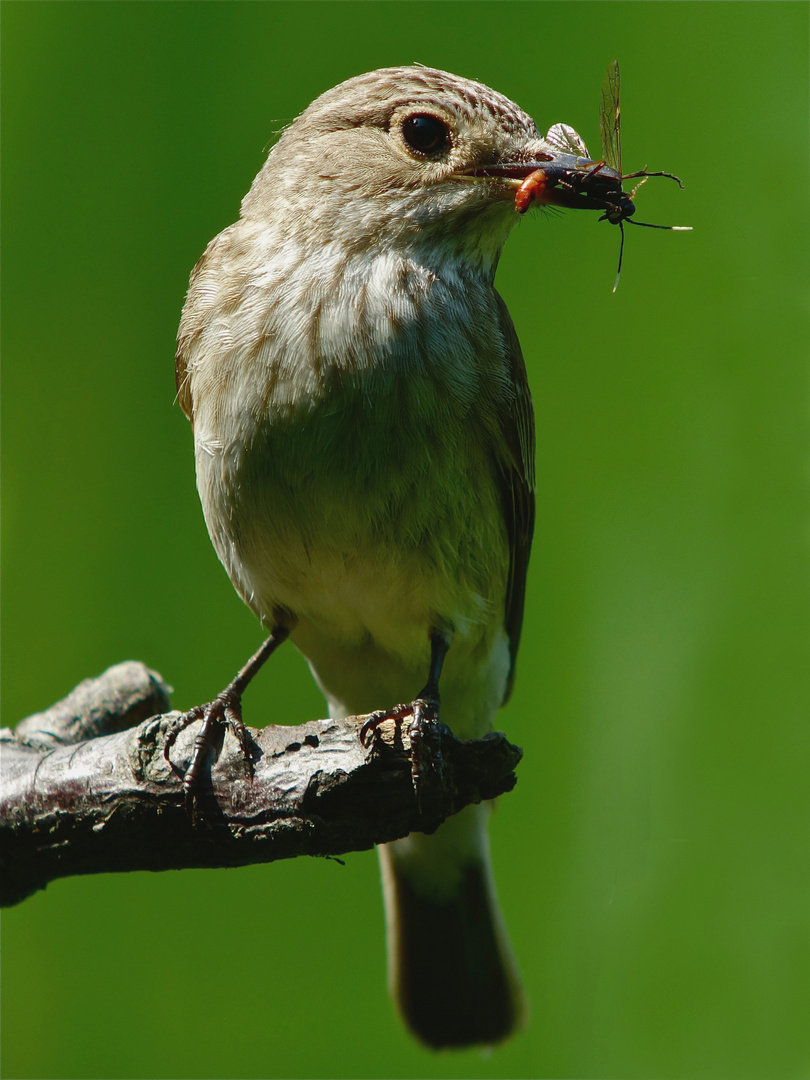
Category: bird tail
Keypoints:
(450, 967)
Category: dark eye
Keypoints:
(426, 134)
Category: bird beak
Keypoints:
(524, 181)
(512, 172)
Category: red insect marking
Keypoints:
(529, 190)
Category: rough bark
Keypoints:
(86, 788)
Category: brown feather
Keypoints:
(517, 482)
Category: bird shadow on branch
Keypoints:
(86, 787)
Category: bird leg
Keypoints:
(424, 710)
(224, 711)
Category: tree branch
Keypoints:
(85, 792)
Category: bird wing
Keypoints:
(193, 318)
(517, 484)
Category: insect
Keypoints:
(575, 180)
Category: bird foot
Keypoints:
(424, 713)
(225, 711)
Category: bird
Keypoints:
(364, 445)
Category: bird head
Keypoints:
(405, 155)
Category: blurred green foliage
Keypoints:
(653, 860)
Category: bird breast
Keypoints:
(344, 439)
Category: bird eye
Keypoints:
(425, 134)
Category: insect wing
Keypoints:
(610, 119)
(564, 138)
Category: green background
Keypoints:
(653, 860)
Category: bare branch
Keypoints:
(84, 792)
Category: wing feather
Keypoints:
(517, 478)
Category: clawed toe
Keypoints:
(375, 719)
(424, 713)
(224, 711)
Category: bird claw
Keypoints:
(424, 713)
(225, 711)
(375, 719)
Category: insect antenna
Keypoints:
(621, 256)
(649, 225)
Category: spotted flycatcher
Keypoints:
(364, 443)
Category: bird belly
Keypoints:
(371, 540)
